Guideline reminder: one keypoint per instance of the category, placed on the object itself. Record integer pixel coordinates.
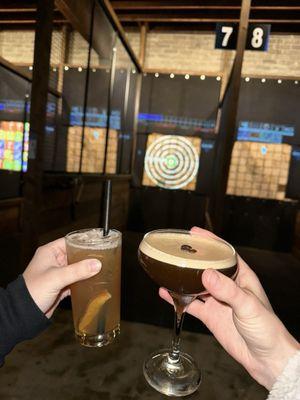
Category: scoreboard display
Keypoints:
(14, 142)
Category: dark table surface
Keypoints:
(53, 366)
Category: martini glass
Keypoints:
(176, 259)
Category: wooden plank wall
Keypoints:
(67, 206)
(10, 216)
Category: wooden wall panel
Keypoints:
(63, 211)
(67, 206)
(10, 214)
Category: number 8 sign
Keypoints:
(257, 37)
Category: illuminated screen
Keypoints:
(95, 117)
(13, 157)
(172, 122)
(93, 150)
(171, 162)
(264, 132)
(259, 170)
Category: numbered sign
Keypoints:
(257, 38)
(226, 36)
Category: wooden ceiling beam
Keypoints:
(166, 19)
(17, 9)
(133, 6)
(28, 21)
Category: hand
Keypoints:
(48, 276)
(241, 318)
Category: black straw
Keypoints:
(106, 207)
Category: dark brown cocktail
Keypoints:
(176, 260)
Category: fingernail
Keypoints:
(213, 276)
(95, 265)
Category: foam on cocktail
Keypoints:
(189, 251)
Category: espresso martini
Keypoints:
(177, 259)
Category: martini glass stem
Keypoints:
(174, 356)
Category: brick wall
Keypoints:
(17, 46)
(190, 51)
(194, 51)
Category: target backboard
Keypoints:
(93, 150)
(259, 170)
(171, 161)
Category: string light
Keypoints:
(94, 69)
(247, 79)
(279, 81)
(187, 76)
(156, 74)
(133, 71)
(263, 80)
(30, 68)
(218, 78)
(66, 68)
(172, 76)
(296, 82)
(54, 69)
(202, 77)
(79, 69)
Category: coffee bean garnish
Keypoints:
(188, 248)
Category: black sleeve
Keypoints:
(20, 317)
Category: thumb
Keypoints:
(76, 272)
(226, 290)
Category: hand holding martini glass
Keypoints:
(176, 259)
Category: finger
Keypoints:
(59, 250)
(226, 290)
(204, 232)
(79, 271)
(203, 297)
(196, 308)
(58, 243)
(164, 294)
(52, 253)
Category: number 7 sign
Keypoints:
(257, 37)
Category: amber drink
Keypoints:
(96, 301)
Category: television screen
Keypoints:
(13, 149)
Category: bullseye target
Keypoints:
(171, 162)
